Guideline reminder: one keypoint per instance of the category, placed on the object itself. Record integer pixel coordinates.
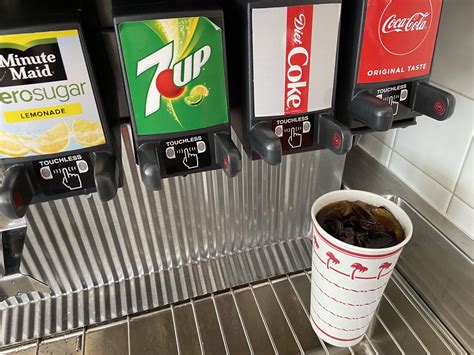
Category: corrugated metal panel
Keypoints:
(144, 249)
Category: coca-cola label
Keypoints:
(294, 58)
(398, 39)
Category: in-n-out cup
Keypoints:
(348, 281)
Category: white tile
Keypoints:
(465, 187)
(461, 215)
(452, 65)
(435, 194)
(387, 138)
(375, 148)
(438, 148)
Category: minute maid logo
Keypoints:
(170, 80)
(39, 62)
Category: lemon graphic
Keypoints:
(54, 140)
(11, 147)
(88, 133)
(199, 89)
(193, 100)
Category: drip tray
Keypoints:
(266, 317)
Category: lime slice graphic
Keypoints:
(194, 100)
(200, 89)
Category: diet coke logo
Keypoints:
(298, 56)
(404, 25)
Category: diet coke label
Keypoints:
(398, 39)
(299, 23)
(294, 58)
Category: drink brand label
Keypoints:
(175, 74)
(398, 39)
(294, 132)
(294, 58)
(47, 103)
(65, 173)
(185, 154)
(398, 96)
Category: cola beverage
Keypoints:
(361, 224)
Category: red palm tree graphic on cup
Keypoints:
(382, 267)
(357, 267)
(331, 258)
(315, 242)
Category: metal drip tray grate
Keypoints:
(267, 317)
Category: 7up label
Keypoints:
(175, 74)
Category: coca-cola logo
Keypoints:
(404, 25)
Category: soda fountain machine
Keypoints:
(385, 61)
(301, 79)
(55, 139)
(283, 58)
(176, 86)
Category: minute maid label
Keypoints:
(47, 105)
(175, 72)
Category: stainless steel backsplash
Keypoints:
(143, 249)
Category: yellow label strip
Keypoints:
(25, 38)
(43, 113)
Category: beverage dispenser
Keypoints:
(176, 86)
(283, 57)
(55, 139)
(385, 63)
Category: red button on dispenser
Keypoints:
(440, 107)
(336, 140)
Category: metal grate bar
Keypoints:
(286, 317)
(175, 330)
(406, 323)
(371, 345)
(427, 316)
(128, 335)
(390, 334)
(244, 328)
(224, 340)
(263, 320)
(196, 323)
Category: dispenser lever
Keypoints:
(433, 102)
(333, 135)
(149, 165)
(372, 111)
(12, 240)
(266, 143)
(227, 154)
(106, 175)
(16, 192)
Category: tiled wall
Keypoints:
(436, 159)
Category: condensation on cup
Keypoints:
(348, 281)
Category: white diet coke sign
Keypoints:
(294, 58)
(398, 39)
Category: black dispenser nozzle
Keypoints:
(266, 143)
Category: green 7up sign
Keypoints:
(175, 74)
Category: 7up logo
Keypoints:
(169, 80)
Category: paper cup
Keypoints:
(347, 281)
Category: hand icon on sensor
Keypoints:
(295, 139)
(190, 160)
(71, 181)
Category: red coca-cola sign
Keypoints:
(398, 39)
